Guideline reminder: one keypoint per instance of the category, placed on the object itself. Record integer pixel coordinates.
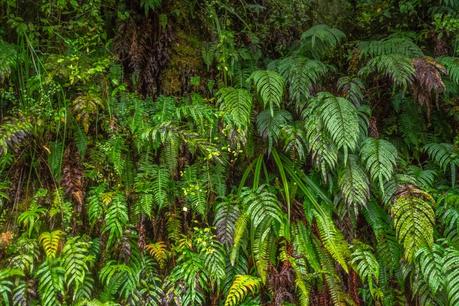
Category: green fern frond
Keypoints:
(414, 220)
(445, 155)
(430, 263)
(452, 67)
(270, 87)
(354, 185)
(227, 213)
(116, 218)
(242, 286)
(50, 282)
(380, 158)
(50, 242)
(320, 39)
(269, 126)
(365, 264)
(398, 68)
(301, 74)
(451, 270)
(8, 59)
(236, 105)
(352, 88)
(390, 45)
(332, 239)
(340, 119)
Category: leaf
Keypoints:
(236, 105)
(270, 86)
(241, 287)
(379, 157)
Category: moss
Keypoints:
(185, 61)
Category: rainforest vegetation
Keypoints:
(229, 152)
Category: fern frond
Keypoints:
(398, 68)
(430, 262)
(390, 45)
(443, 154)
(354, 185)
(269, 125)
(340, 119)
(332, 239)
(50, 242)
(159, 252)
(452, 67)
(451, 270)
(116, 218)
(8, 59)
(236, 105)
(227, 213)
(380, 158)
(352, 88)
(270, 87)
(50, 282)
(414, 220)
(242, 286)
(301, 74)
(365, 264)
(320, 39)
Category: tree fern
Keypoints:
(413, 220)
(241, 287)
(379, 157)
(270, 86)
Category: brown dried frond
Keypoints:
(428, 83)
(73, 177)
(373, 127)
(281, 282)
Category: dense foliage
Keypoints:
(223, 152)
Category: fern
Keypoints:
(379, 157)
(450, 269)
(270, 125)
(159, 252)
(430, 262)
(50, 242)
(7, 285)
(452, 67)
(340, 119)
(390, 45)
(332, 239)
(236, 105)
(320, 39)
(270, 86)
(413, 220)
(352, 88)
(226, 216)
(241, 287)
(354, 185)
(444, 154)
(395, 66)
(116, 219)
(8, 59)
(365, 264)
(50, 282)
(301, 74)
(77, 261)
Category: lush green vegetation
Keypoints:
(223, 152)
